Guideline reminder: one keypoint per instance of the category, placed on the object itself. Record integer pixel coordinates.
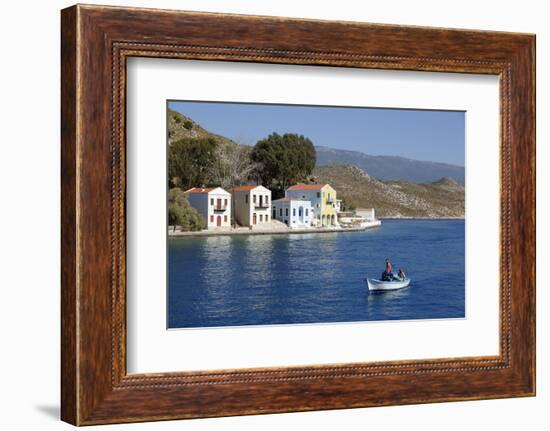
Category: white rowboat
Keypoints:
(387, 285)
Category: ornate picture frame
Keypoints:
(96, 41)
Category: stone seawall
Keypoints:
(274, 231)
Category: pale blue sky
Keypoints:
(416, 134)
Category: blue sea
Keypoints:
(316, 278)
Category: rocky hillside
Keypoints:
(180, 127)
(441, 198)
(390, 167)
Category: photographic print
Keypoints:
(293, 214)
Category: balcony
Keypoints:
(220, 208)
(261, 205)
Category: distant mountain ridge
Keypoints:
(391, 167)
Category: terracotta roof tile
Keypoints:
(199, 190)
(244, 188)
(307, 187)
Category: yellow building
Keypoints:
(322, 198)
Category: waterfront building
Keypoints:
(296, 213)
(252, 205)
(323, 201)
(213, 204)
(366, 213)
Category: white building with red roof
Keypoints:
(214, 204)
(252, 205)
(322, 198)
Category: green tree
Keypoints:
(190, 161)
(182, 214)
(284, 159)
(348, 204)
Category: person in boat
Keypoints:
(387, 275)
(401, 275)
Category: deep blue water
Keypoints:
(313, 278)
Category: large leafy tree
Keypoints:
(181, 214)
(190, 162)
(284, 159)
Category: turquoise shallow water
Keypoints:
(316, 278)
